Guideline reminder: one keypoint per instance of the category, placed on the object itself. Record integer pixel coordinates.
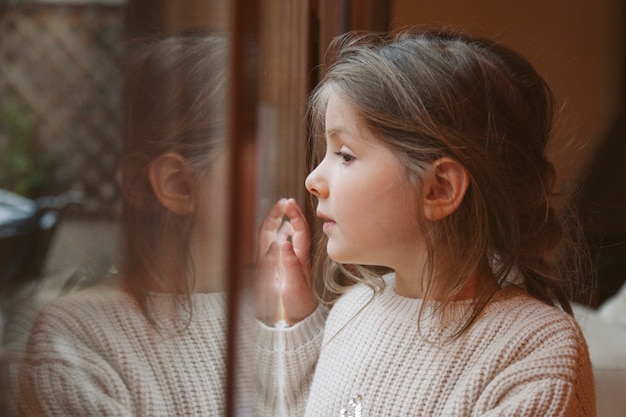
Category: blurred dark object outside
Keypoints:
(26, 231)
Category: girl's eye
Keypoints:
(345, 157)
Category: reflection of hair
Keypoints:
(175, 102)
(429, 94)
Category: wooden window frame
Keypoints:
(277, 45)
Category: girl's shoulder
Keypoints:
(522, 317)
(87, 309)
(107, 293)
(512, 301)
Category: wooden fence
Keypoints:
(64, 62)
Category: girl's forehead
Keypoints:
(340, 110)
(342, 118)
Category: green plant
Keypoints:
(25, 168)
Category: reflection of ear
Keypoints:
(171, 182)
(445, 188)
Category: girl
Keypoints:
(434, 168)
(151, 339)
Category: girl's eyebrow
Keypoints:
(333, 132)
(336, 131)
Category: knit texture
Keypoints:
(285, 363)
(520, 358)
(93, 353)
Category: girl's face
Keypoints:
(368, 205)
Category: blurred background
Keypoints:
(61, 113)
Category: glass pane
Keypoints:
(113, 210)
(61, 121)
(128, 209)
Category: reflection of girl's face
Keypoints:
(368, 205)
(208, 243)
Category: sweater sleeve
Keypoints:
(64, 372)
(285, 363)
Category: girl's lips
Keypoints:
(328, 222)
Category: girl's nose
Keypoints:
(316, 184)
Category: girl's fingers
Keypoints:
(271, 225)
(275, 229)
(296, 216)
(297, 298)
(275, 216)
(282, 286)
(301, 237)
(285, 231)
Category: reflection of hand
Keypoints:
(283, 282)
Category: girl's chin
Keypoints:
(335, 255)
(341, 256)
(344, 259)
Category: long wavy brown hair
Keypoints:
(175, 101)
(426, 94)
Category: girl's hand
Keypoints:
(283, 283)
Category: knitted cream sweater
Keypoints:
(92, 353)
(521, 358)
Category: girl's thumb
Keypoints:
(288, 256)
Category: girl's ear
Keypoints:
(445, 188)
(172, 183)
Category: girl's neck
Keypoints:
(209, 270)
(211, 280)
(206, 278)
(480, 280)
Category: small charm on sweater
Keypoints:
(355, 408)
